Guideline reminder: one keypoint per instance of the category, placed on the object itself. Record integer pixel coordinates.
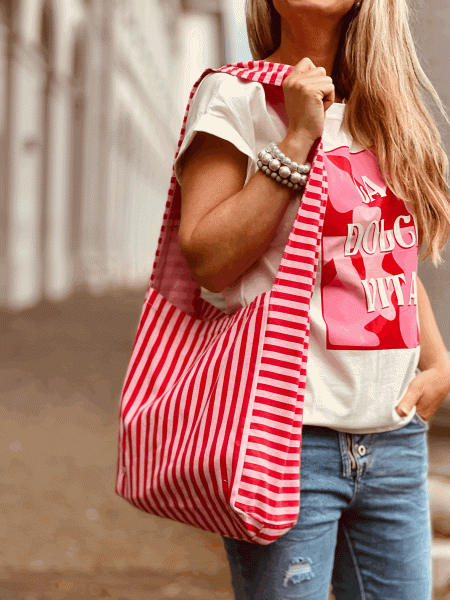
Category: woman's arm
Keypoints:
(430, 388)
(433, 352)
(226, 225)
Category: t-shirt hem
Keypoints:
(367, 430)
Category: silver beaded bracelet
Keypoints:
(273, 163)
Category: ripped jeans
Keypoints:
(364, 523)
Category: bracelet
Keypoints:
(273, 163)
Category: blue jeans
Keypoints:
(364, 523)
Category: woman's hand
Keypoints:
(308, 93)
(426, 392)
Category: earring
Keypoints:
(357, 5)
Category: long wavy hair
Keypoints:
(378, 72)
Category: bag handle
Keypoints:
(171, 275)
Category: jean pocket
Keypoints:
(418, 419)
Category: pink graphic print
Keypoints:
(369, 258)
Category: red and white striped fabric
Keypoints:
(211, 407)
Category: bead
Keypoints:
(266, 158)
(284, 172)
(274, 164)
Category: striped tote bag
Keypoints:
(210, 417)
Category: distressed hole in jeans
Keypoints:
(299, 570)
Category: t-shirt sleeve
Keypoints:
(221, 107)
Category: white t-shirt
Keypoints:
(364, 336)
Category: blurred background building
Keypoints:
(92, 95)
(90, 114)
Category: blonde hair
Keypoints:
(378, 72)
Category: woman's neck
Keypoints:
(320, 46)
(312, 35)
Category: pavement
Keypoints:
(64, 533)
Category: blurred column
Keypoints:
(112, 225)
(236, 42)
(107, 13)
(9, 28)
(143, 122)
(119, 233)
(92, 219)
(127, 222)
(48, 53)
(76, 155)
(22, 219)
(6, 44)
(202, 41)
(213, 11)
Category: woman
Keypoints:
(364, 522)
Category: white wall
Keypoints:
(237, 43)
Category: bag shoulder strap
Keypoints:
(171, 276)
